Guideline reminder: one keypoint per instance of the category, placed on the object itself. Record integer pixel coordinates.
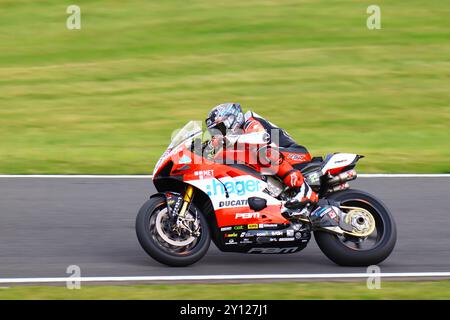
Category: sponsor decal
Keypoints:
(177, 206)
(262, 234)
(233, 203)
(238, 228)
(252, 226)
(253, 233)
(243, 234)
(320, 212)
(298, 235)
(247, 215)
(268, 225)
(231, 235)
(286, 239)
(332, 214)
(184, 160)
(235, 187)
(245, 240)
(296, 156)
(290, 233)
(276, 233)
(231, 241)
(225, 229)
(204, 174)
(329, 211)
(174, 203)
(272, 250)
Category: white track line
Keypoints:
(231, 277)
(87, 176)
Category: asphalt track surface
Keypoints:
(48, 224)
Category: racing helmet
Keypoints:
(224, 118)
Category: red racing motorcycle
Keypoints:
(242, 210)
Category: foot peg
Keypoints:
(297, 205)
(297, 213)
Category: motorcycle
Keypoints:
(241, 209)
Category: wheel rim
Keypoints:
(162, 230)
(361, 220)
(165, 233)
(366, 221)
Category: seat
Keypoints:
(315, 164)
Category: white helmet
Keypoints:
(224, 118)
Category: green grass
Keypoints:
(279, 291)
(106, 98)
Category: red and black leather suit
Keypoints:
(284, 170)
(290, 176)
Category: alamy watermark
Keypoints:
(74, 279)
(374, 19)
(374, 278)
(73, 21)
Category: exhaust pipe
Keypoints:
(339, 187)
(343, 177)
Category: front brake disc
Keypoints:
(166, 237)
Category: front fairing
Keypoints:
(227, 186)
(181, 140)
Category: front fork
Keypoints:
(182, 222)
(187, 199)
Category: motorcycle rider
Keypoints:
(227, 121)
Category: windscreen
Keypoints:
(190, 130)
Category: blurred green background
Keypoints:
(429, 290)
(105, 99)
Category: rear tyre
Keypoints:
(154, 232)
(351, 251)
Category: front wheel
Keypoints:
(349, 250)
(168, 243)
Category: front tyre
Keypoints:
(353, 251)
(159, 237)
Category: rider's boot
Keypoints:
(305, 198)
(302, 204)
(306, 204)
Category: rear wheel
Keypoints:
(167, 242)
(371, 218)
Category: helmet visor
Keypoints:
(217, 129)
